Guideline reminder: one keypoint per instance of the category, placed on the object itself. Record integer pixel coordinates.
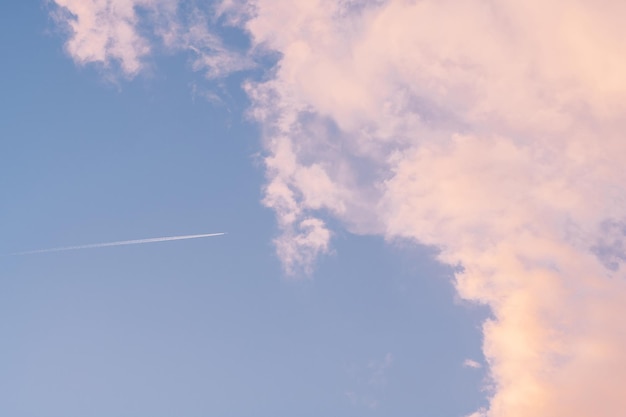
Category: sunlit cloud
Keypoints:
(104, 31)
(492, 132)
(124, 34)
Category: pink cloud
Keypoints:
(109, 32)
(493, 132)
(104, 31)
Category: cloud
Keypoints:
(125, 32)
(379, 370)
(371, 381)
(105, 31)
(492, 131)
(479, 413)
(470, 363)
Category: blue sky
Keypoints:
(211, 327)
(424, 201)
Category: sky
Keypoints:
(424, 204)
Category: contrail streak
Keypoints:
(120, 243)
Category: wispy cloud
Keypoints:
(124, 33)
(470, 363)
(370, 382)
(379, 369)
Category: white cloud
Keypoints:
(470, 363)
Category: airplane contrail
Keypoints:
(120, 243)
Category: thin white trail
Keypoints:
(120, 243)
